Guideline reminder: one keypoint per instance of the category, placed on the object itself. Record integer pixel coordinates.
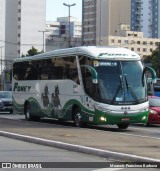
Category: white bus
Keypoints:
(94, 85)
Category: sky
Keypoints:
(55, 9)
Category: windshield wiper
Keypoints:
(130, 89)
(120, 87)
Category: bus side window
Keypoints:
(87, 82)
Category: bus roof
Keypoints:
(103, 52)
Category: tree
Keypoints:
(31, 52)
(154, 59)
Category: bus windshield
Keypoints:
(120, 82)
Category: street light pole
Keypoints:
(69, 6)
(43, 38)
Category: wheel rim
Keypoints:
(77, 119)
(28, 113)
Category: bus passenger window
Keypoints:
(88, 85)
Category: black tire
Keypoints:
(123, 126)
(77, 118)
(147, 124)
(27, 112)
(28, 115)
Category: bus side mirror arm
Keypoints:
(153, 74)
(93, 72)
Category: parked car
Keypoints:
(6, 101)
(154, 110)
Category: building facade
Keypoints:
(145, 16)
(23, 22)
(89, 22)
(75, 27)
(101, 18)
(133, 40)
(2, 29)
(57, 33)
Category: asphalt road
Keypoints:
(136, 140)
(15, 153)
(137, 130)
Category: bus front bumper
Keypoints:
(104, 118)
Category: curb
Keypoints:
(78, 148)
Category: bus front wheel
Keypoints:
(123, 126)
(27, 112)
(77, 118)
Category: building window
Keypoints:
(112, 41)
(144, 43)
(144, 50)
(126, 41)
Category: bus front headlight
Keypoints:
(103, 119)
(144, 118)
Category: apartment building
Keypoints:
(101, 18)
(145, 16)
(57, 33)
(52, 28)
(75, 26)
(23, 23)
(132, 40)
(2, 28)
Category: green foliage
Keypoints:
(23, 55)
(154, 59)
(31, 52)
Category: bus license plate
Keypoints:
(125, 119)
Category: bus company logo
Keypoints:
(17, 87)
(126, 108)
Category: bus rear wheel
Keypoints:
(123, 126)
(77, 118)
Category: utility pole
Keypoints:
(69, 36)
(43, 39)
